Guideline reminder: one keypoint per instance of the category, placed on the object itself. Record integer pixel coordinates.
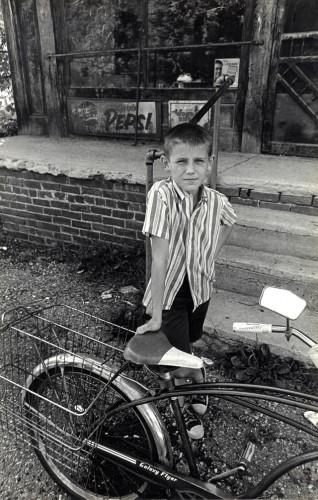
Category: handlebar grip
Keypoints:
(252, 327)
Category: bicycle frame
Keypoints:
(170, 479)
(158, 474)
(167, 477)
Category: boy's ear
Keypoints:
(165, 162)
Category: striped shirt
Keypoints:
(192, 234)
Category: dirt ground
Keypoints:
(44, 277)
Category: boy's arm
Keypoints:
(223, 236)
(160, 252)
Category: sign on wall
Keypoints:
(183, 111)
(224, 68)
(113, 117)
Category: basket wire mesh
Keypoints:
(54, 390)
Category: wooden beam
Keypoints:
(62, 65)
(298, 99)
(310, 84)
(299, 59)
(265, 20)
(300, 36)
(19, 84)
(243, 76)
(53, 98)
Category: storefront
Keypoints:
(133, 68)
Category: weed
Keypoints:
(257, 365)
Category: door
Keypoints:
(291, 119)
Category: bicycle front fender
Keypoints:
(132, 390)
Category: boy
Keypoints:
(188, 223)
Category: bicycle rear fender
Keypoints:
(132, 389)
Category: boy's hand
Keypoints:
(151, 326)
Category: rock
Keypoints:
(130, 293)
(128, 290)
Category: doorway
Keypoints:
(291, 120)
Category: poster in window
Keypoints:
(113, 117)
(224, 68)
(183, 111)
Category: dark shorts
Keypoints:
(180, 324)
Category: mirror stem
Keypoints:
(288, 332)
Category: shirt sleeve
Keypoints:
(228, 216)
(157, 215)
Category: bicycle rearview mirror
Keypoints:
(282, 302)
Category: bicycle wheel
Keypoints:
(58, 437)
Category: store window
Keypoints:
(301, 45)
(191, 22)
(101, 25)
(301, 16)
(96, 25)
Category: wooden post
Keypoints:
(137, 96)
(260, 58)
(215, 151)
(14, 42)
(53, 99)
(243, 75)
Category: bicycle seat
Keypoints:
(153, 348)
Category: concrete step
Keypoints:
(227, 307)
(275, 231)
(247, 271)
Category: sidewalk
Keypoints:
(83, 157)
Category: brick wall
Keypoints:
(49, 210)
(46, 209)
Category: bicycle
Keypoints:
(90, 398)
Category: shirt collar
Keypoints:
(182, 194)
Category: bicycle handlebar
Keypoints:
(254, 328)
(268, 328)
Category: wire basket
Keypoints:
(55, 367)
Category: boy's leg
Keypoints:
(199, 403)
(196, 320)
(175, 324)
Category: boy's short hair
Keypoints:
(187, 133)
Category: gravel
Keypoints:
(41, 276)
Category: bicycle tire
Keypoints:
(78, 471)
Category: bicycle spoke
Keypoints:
(66, 456)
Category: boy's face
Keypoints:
(188, 166)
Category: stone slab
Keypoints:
(285, 174)
(279, 232)
(247, 271)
